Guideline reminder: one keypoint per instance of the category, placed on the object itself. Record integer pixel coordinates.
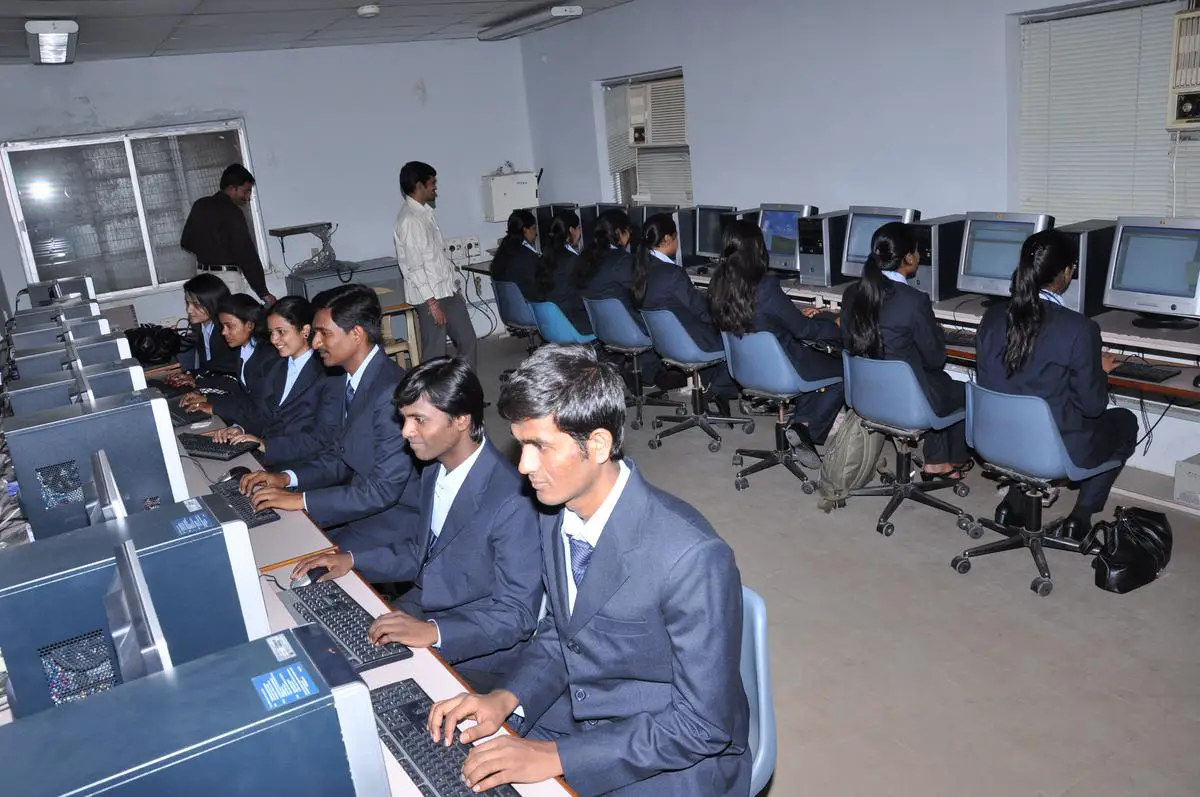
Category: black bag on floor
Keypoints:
(1136, 548)
(152, 344)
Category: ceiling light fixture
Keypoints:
(527, 23)
(51, 41)
(368, 11)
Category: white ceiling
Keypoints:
(138, 28)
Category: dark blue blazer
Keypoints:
(224, 359)
(647, 666)
(668, 287)
(1064, 368)
(775, 313)
(361, 477)
(518, 265)
(482, 581)
(563, 292)
(614, 280)
(237, 402)
(296, 430)
(911, 333)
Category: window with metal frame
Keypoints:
(646, 134)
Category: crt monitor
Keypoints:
(276, 716)
(50, 452)
(860, 228)
(56, 389)
(1155, 270)
(710, 229)
(90, 351)
(992, 247)
(68, 309)
(640, 213)
(40, 293)
(778, 226)
(74, 287)
(62, 642)
(556, 210)
(588, 214)
(544, 214)
(54, 332)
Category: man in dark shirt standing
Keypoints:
(216, 232)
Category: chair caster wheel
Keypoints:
(636, 424)
(741, 484)
(737, 460)
(656, 423)
(961, 564)
(748, 428)
(975, 531)
(654, 443)
(808, 488)
(1042, 586)
(964, 522)
(886, 529)
(681, 410)
(962, 490)
(714, 446)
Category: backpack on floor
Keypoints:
(852, 458)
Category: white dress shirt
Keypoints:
(1051, 296)
(294, 367)
(662, 256)
(247, 351)
(590, 530)
(445, 490)
(571, 248)
(206, 330)
(896, 276)
(428, 272)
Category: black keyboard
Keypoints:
(401, 714)
(328, 605)
(167, 390)
(241, 504)
(179, 417)
(199, 445)
(1144, 372)
(960, 337)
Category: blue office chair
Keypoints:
(619, 333)
(889, 400)
(679, 350)
(515, 313)
(759, 364)
(756, 680)
(1017, 438)
(555, 327)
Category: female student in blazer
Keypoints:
(1034, 346)
(554, 277)
(884, 318)
(284, 416)
(516, 259)
(201, 295)
(659, 284)
(244, 328)
(743, 297)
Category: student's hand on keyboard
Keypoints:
(811, 310)
(511, 759)
(180, 379)
(233, 435)
(261, 479)
(339, 564)
(195, 402)
(404, 629)
(1108, 362)
(276, 498)
(487, 711)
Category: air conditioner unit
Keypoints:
(1183, 93)
(657, 115)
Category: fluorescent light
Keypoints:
(51, 41)
(528, 23)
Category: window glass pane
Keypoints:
(173, 172)
(80, 214)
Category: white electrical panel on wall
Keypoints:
(504, 193)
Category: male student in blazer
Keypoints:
(357, 488)
(476, 565)
(631, 684)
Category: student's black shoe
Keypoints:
(803, 448)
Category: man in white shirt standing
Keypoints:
(429, 276)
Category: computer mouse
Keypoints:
(1196, 381)
(702, 270)
(311, 577)
(234, 473)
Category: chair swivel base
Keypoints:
(782, 454)
(698, 418)
(1033, 535)
(900, 487)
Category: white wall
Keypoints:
(328, 130)
(821, 101)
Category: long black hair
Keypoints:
(555, 250)
(731, 290)
(890, 244)
(608, 227)
(1045, 256)
(246, 309)
(208, 290)
(658, 228)
(514, 238)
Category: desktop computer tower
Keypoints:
(1094, 239)
(381, 273)
(940, 243)
(820, 240)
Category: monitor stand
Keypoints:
(1155, 321)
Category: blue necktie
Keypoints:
(349, 398)
(581, 554)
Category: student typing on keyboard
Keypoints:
(475, 558)
(244, 328)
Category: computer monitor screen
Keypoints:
(710, 230)
(779, 233)
(1157, 261)
(994, 247)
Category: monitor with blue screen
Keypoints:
(779, 226)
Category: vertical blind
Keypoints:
(1092, 138)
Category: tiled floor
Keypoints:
(894, 675)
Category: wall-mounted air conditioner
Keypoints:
(1183, 93)
(657, 114)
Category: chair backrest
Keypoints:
(672, 341)
(614, 326)
(1017, 433)
(554, 327)
(756, 680)
(759, 364)
(887, 392)
(514, 310)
